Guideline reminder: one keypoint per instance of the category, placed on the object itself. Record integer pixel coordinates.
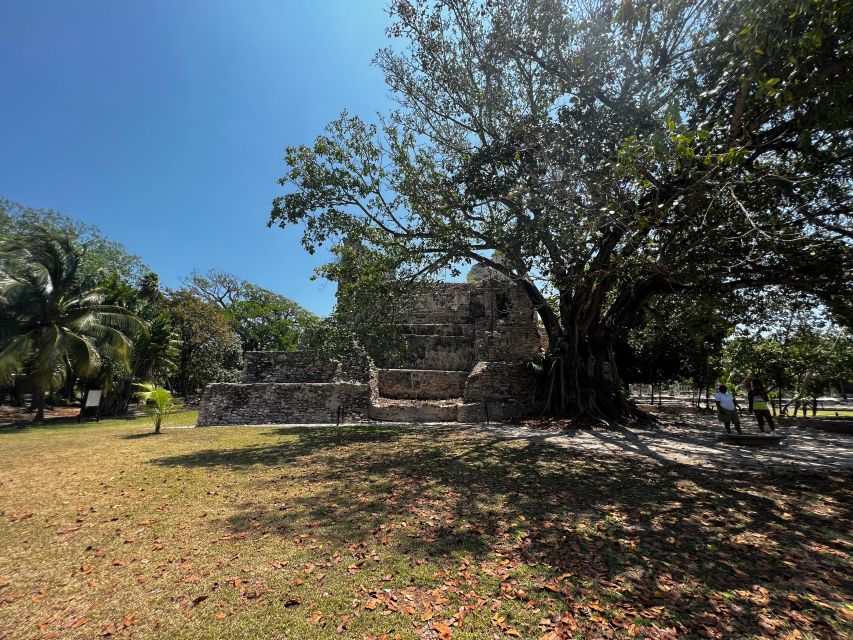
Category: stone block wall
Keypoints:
(446, 303)
(293, 387)
(441, 352)
(283, 403)
(421, 384)
(508, 343)
(286, 367)
(496, 382)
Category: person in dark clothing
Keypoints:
(759, 401)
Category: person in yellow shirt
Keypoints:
(759, 404)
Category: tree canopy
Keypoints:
(102, 256)
(613, 152)
(264, 320)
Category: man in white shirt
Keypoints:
(727, 408)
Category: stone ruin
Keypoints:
(465, 362)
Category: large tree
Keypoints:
(612, 152)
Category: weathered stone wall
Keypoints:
(422, 412)
(446, 303)
(456, 325)
(303, 366)
(421, 384)
(283, 403)
(508, 343)
(441, 352)
(356, 367)
(501, 382)
(287, 367)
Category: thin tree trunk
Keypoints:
(38, 404)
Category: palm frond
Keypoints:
(13, 356)
(82, 354)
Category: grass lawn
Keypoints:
(360, 531)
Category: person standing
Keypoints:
(759, 401)
(727, 408)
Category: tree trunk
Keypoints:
(38, 404)
(577, 381)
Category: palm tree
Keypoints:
(49, 324)
(158, 401)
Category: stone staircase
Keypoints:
(449, 334)
(430, 384)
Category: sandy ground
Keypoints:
(700, 441)
(18, 415)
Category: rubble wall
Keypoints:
(283, 403)
(286, 367)
(501, 382)
(421, 384)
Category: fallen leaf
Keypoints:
(343, 625)
(444, 631)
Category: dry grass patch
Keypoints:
(361, 531)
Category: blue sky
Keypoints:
(164, 122)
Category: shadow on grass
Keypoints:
(139, 436)
(49, 425)
(674, 530)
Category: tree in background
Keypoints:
(268, 321)
(264, 320)
(189, 338)
(680, 338)
(153, 350)
(613, 152)
(51, 324)
(209, 348)
(216, 287)
(102, 258)
(793, 345)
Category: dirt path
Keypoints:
(700, 441)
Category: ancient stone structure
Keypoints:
(290, 388)
(467, 345)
